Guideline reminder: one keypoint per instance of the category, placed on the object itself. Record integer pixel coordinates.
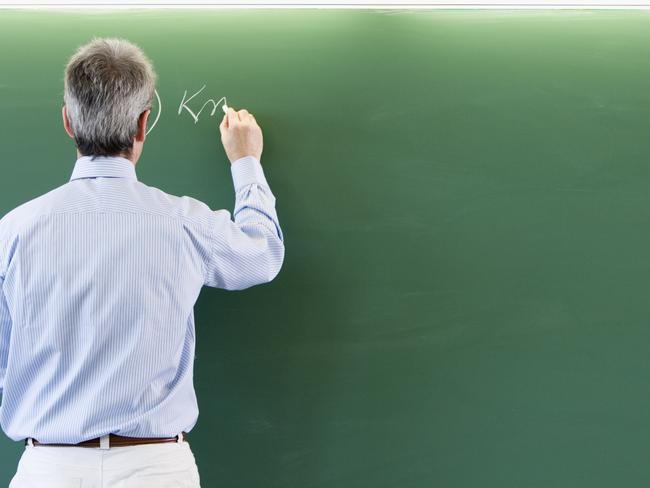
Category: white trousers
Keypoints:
(165, 465)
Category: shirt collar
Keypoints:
(111, 166)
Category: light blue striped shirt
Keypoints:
(98, 281)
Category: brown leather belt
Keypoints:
(115, 441)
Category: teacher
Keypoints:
(98, 280)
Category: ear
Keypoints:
(142, 126)
(66, 122)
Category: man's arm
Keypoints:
(5, 331)
(250, 250)
(5, 317)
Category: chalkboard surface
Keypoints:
(466, 206)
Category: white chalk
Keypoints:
(225, 108)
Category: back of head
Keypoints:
(108, 84)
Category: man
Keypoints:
(98, 280)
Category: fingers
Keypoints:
(234, 117)
(246, 117)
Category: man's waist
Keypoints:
(112, 440)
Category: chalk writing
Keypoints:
(195, 116)
(184, 105)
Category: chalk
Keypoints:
(225, 108)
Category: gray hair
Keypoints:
(108, 83)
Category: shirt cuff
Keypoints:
(246, 171)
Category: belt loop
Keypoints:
(104, 442)
(30, 442)
(180, 438)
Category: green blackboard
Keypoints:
(465, 200)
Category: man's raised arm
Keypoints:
(250, 250)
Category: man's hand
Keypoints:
(240, 135)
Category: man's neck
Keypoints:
(120, 155)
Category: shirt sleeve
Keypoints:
(249, 250)
(5, 331)
(5, 317)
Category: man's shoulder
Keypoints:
(185, 207)
(12, 222)
(24, 213)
